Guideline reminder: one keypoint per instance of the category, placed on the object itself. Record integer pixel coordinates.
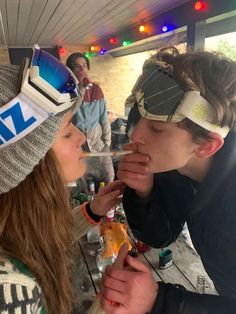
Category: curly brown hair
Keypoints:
(211, 73)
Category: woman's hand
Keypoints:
(134, 171)
(107, 197)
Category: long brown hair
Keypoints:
(35, 228)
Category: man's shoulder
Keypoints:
(96, 92)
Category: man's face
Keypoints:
(80, 68)
(168, 146)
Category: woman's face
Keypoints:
(168, 146)
(67, 148)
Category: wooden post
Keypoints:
(4, 55)
(196, 33)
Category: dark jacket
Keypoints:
(209, 209)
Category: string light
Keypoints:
(61, 50)
(142, 28)
(95, 48)
(147, 29)
(102, 51)
(200, 5)
(126, 42)
(164, 28)
(167, 27)
(113, 40)
(89, 54)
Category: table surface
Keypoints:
(184, 270)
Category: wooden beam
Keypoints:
(196, 33)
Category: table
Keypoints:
(184, 270)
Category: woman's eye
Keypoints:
(75, 119)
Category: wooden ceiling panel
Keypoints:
(55, 22)
(82, 19)
(3, 27)
(23, 20)
(104, 22)
(47, 13)
(12, 19)
(34, 17)
(69, 22)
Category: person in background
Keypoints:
(182, 169)
(92, 120)
(40, 152)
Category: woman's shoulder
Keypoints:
(18, 290)
(9, 272)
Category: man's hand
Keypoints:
(106, 198)
(134, 171)
(132, 288)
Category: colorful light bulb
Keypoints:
(126, 42)
(102, 51)
(61, 50)
(113, 40)
(200, 5)
(142, 28)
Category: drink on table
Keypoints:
(94, 233)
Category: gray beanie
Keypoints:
(19, 159)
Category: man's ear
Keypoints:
(206, 148)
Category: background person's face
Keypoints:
(80, 68)
(169, 146)
(67, 148)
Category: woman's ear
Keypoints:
(206, 148)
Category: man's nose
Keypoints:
(137, 135)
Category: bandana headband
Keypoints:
(192, 106)
(160, 97)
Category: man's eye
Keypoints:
(155, 129)
(78, 67)
(68, 135)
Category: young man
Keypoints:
(182, 169)
(92, 120)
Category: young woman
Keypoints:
(40, 152)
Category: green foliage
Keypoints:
(228, 49)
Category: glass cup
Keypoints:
(165, 258)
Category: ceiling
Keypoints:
(72, 22)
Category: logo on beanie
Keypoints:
(20, 124)
(18, 118)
